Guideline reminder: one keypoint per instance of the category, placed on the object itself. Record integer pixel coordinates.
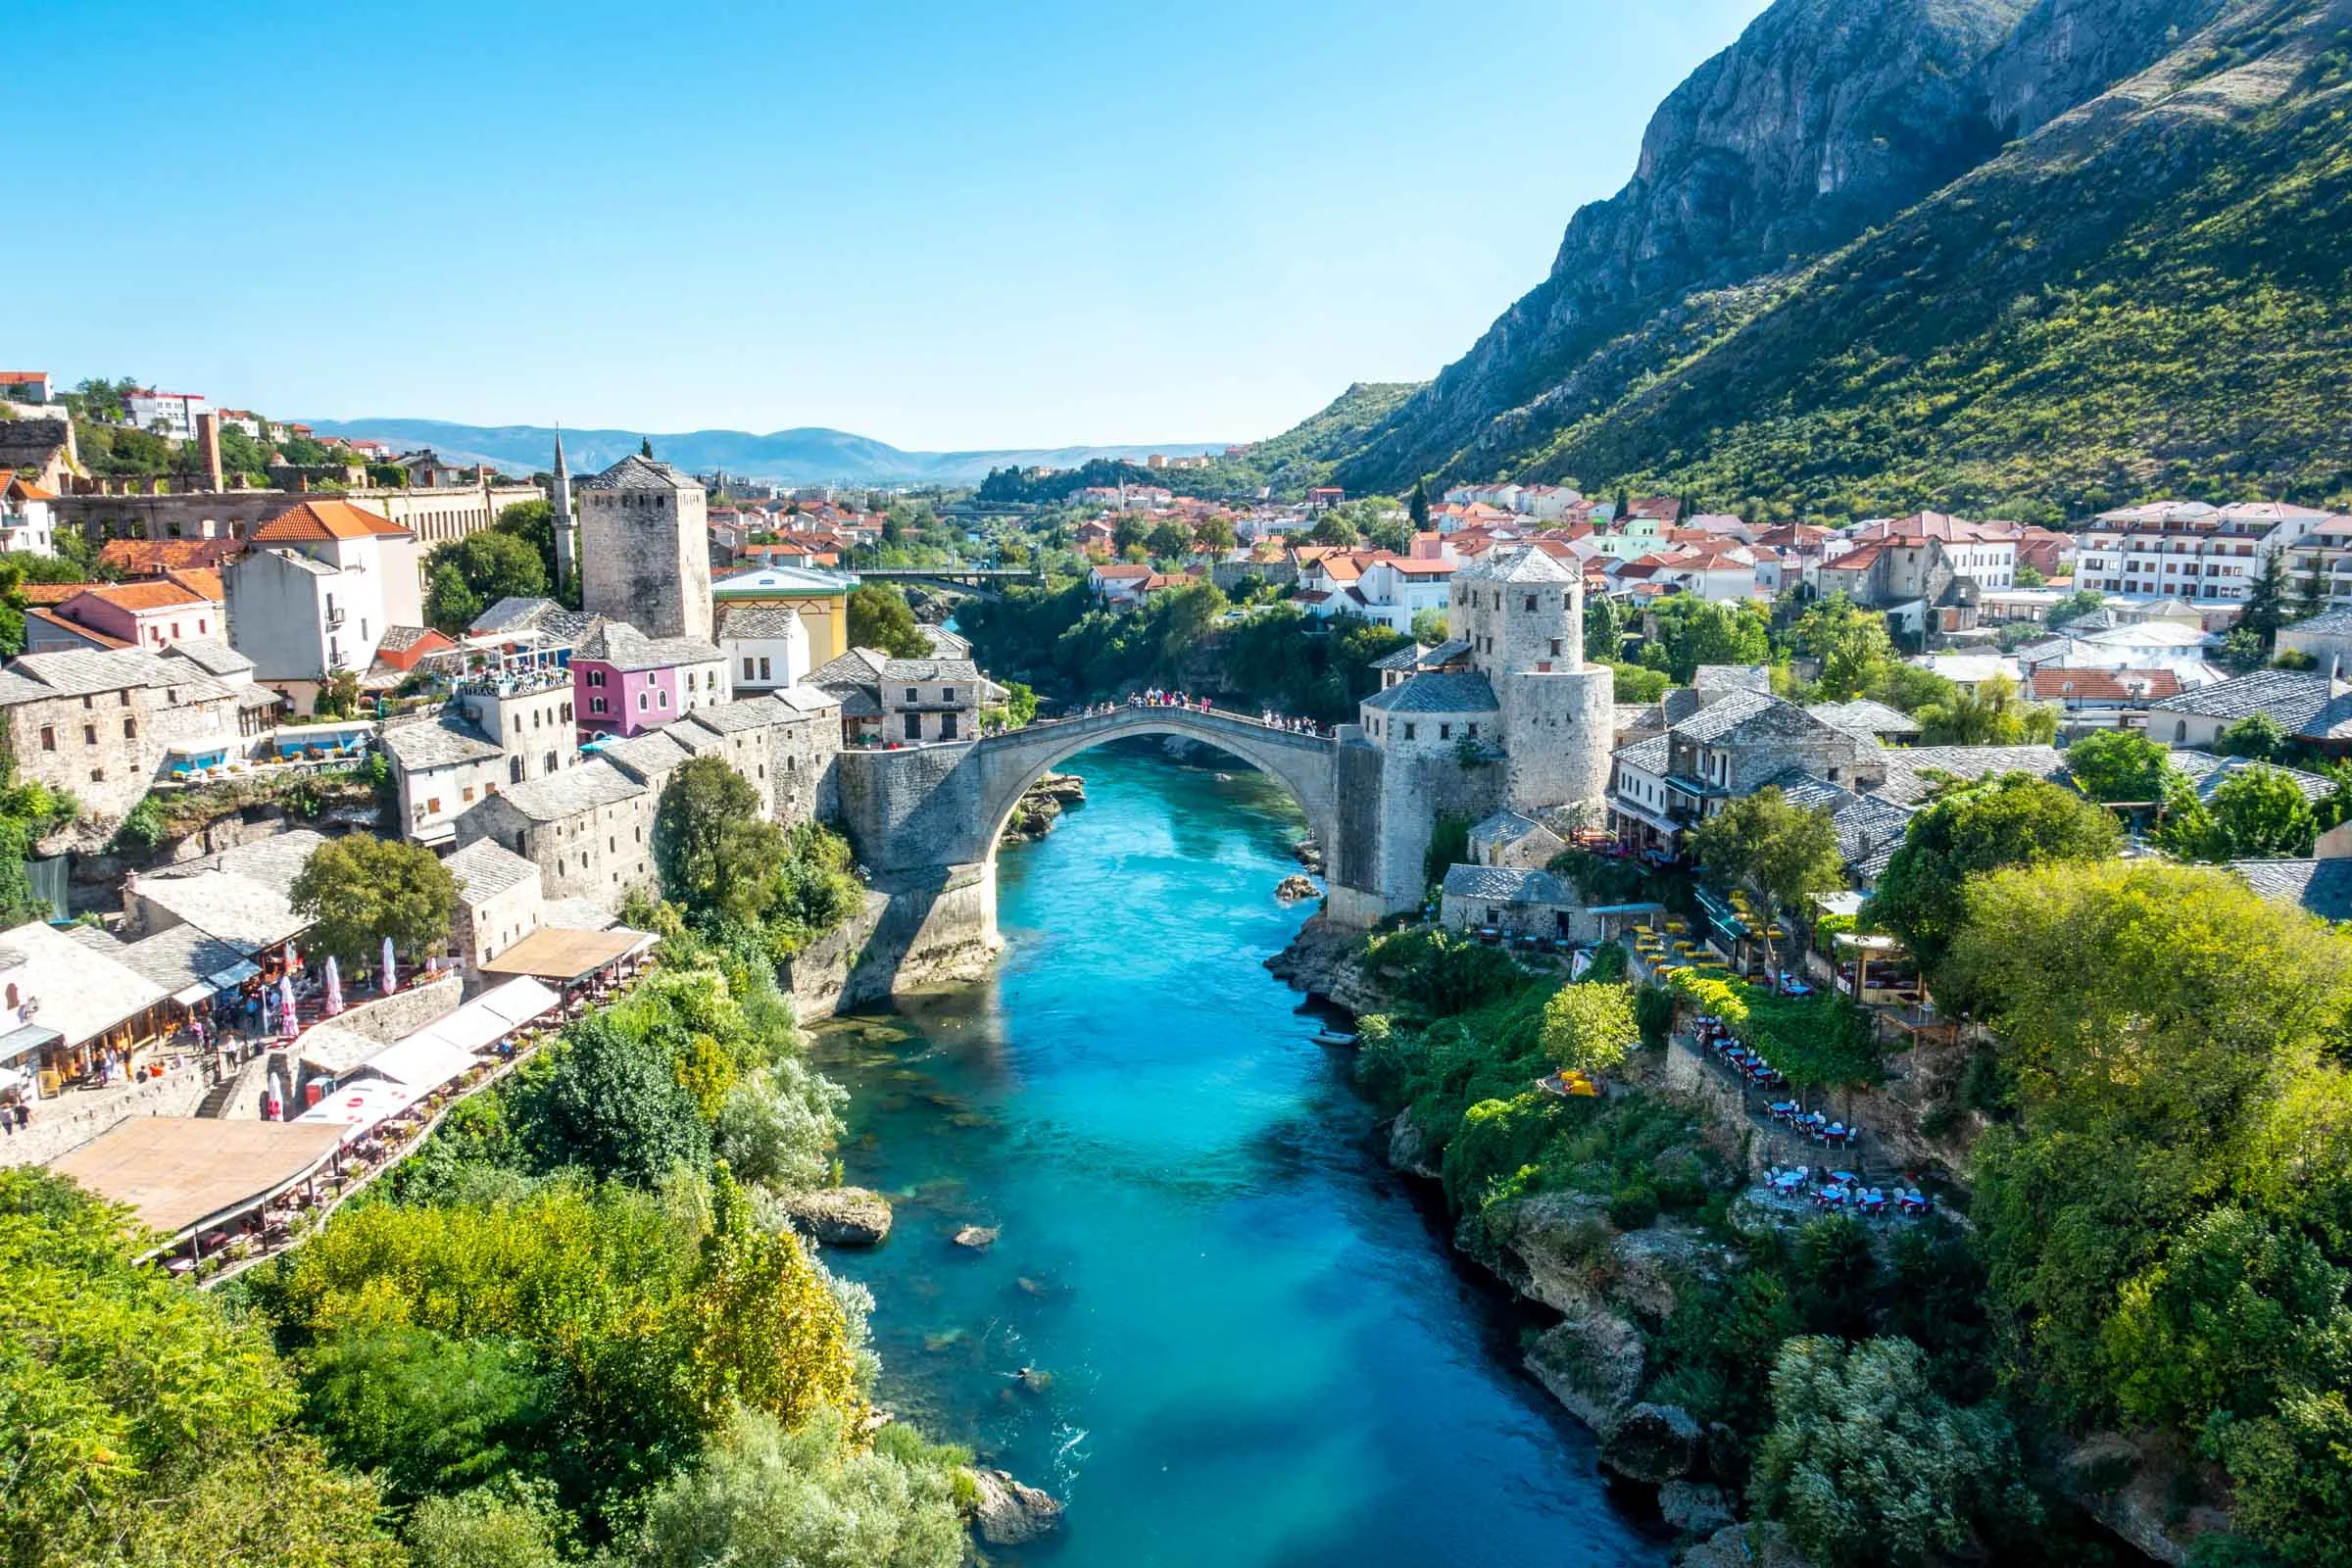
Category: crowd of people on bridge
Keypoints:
(1160, 697)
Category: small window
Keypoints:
(747, 666)
(1555, 647)
(914, 694)
(1445, 733)
(48, 737)
(642, 704)
(89, 734)
(126, 695)
(596, 705)
(1531, 604)
(1474, 732)
(1409, 732)
(97, 775)
(763, 675)
(131, 729)
(664, 698)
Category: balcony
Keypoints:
(336, 617)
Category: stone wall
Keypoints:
(74, 1119)
(401, 1015)
(1559, 729)
(645, 559)
(914, 932)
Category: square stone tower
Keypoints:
(644, 548)
(1522, 611)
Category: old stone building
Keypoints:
(499, 900)
(645, 554)
(104, 726)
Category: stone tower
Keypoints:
(1522, 611)
(568, 544)
(644, 548)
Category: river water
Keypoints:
(1257, 1348)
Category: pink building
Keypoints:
(129, 614)
(625, 682)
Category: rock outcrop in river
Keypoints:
(1034, 817)
(840, 1216)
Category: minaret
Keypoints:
(567, 561)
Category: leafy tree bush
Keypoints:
(2255, 813)
(360, 889)
(2014, 821)
(424, 1414)
(880, 618)
(778, 1128)
(2117, 764)
(608, 1100)
(769, 1495)
(1786, 855)
(508, 1525)
(468, 575)
(142, 1426)
(1865, 1463)
(1590, 1028)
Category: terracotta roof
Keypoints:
(96, 639)
(201, 580)
(327, 520)
(2104, 685)
(153, 557)
(24, 489)
(53, 593)
(157, 594)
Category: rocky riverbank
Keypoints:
(1039, 808)
(1321, 960)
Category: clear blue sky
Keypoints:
(945, 225)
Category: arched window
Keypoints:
(2179, 730)
(12, 997)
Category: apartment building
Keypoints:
(2188, 550)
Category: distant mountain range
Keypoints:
(811, 455)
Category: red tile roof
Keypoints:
(327, 520)
(2104, 685)
(96, 639)
(147, 557)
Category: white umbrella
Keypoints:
(277, 1097)
(335, 989)
(389, 980)
(287, 1022)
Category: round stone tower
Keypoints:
(1522, 611)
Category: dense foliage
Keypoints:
(729, 866)
(358, 890)
(881, 619)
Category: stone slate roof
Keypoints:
(638, 472)
(745, 713)
(1866, 717)
(804, 700)
(1436, 692)
(576, 790)
(2317, 887)
(446, 741)
(2336, 623)
(1507, 883)
(624, 647)
(2292, 697)
(1507, 827)
(859, 666)
(1731, 678)
(931, 669)
(650, 756)
(174, 959)
(486, 868)
(1748, 717)
(1910, 769)
(2209, 772)
(1419, 658)
(1653, 755)
(85, 672)
(765, 621)
(211, 655)
(1518, 563)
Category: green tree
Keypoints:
(769, 1496)
(879, 618)
(1631, 683)
(358, 890)
(1169, 541)
(767, 1332)
(778, 1128)
(1590, 1028)
(1604, 629)
(2255, 813)
(2013, 820)
(449, 604)
(2073, 607)
(2265, 609)
(492, 564)
(612, 1102)
(2119, 765)
(2256, 735)
(1866, 1463)
(695, 847)
(143, 1426)
(1417, 506)
(1850, 643)
(1429, 626)
(534, 523)
(1692, 632)
(1785, 854)
(422, 1412)
(2029, 575)
(1990, 713)
(509, 1525)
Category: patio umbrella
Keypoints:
(389, 980)
(287, 1023)
(335, 989)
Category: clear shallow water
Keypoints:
(1260, 1352)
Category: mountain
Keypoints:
(1880, 254)
(808, 455)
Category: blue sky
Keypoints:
(945, 225)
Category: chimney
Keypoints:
(208, 440)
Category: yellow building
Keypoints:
(821, 598)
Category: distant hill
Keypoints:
(2048, 255)
(809, 455)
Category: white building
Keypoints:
(2187, 550)
(27, 521)
(316, 591)
(168, 414)
(767, 647)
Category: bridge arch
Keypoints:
(1011, 764)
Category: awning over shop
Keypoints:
(1720, 914)
(26, 1039)
(211, 985)
(359, 1106)
(562, 957)
(182, 1173)
(420, 1063)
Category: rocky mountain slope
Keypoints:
(1890, 252)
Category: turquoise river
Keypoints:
(1259, 1348)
